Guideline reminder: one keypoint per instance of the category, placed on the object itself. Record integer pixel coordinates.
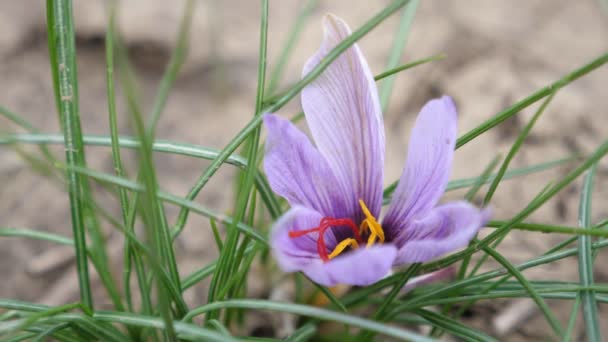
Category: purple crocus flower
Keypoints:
(331, 233)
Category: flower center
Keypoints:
(368, 224)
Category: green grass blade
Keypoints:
(316, 313)
(539, 94)
(549, 228)
(292, 38)
(406, 66)
(185, 330)
(547, 312)
(152, 213)
(178, 56)
(515, 148)
(585, 260)
(387, 302)
(116, 158)
(63, 58)
(399, 42)
(453, 327)
(229, 261)
(35, 234)
(572, 319)
(468, 182)
(111, 179)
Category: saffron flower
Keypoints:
(332, 233)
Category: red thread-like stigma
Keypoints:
(325, 224)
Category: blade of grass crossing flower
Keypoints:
(499, 239)
(399, 42)
(482, 179)
(515, 148)
(63, 64)
(600, 152)
(510, 174)
(270, 101)
(292, 38)
(585, 260)
(539, 94)
(291, 93)
(469, 196)
(228, 262)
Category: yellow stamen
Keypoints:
(370, 223)
(342, 246)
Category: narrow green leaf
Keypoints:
(292, 38)
(406, 66)
(453, 327)
(305, 310)
(62, 52)
(547, 312)
(585, 260)
(515, 148)
(35, 234)
(539, 94)
(399, 42)
(572, 320)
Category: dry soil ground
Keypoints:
(498, 52)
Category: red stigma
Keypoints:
(325, 224)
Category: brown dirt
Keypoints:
(498, 52)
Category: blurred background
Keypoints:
(497, 52)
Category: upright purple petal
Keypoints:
(294, 254)
(360, 267)
(442, 230)
(428, 165)
(298, 172)
(343, 112)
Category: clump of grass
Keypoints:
(164, 314)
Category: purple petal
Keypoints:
(442, 230)
(428, 166)
(360, 267)
(298, 172)
(343, 112)
(294, 254)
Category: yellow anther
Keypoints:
(375, 229)
(349, 242)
